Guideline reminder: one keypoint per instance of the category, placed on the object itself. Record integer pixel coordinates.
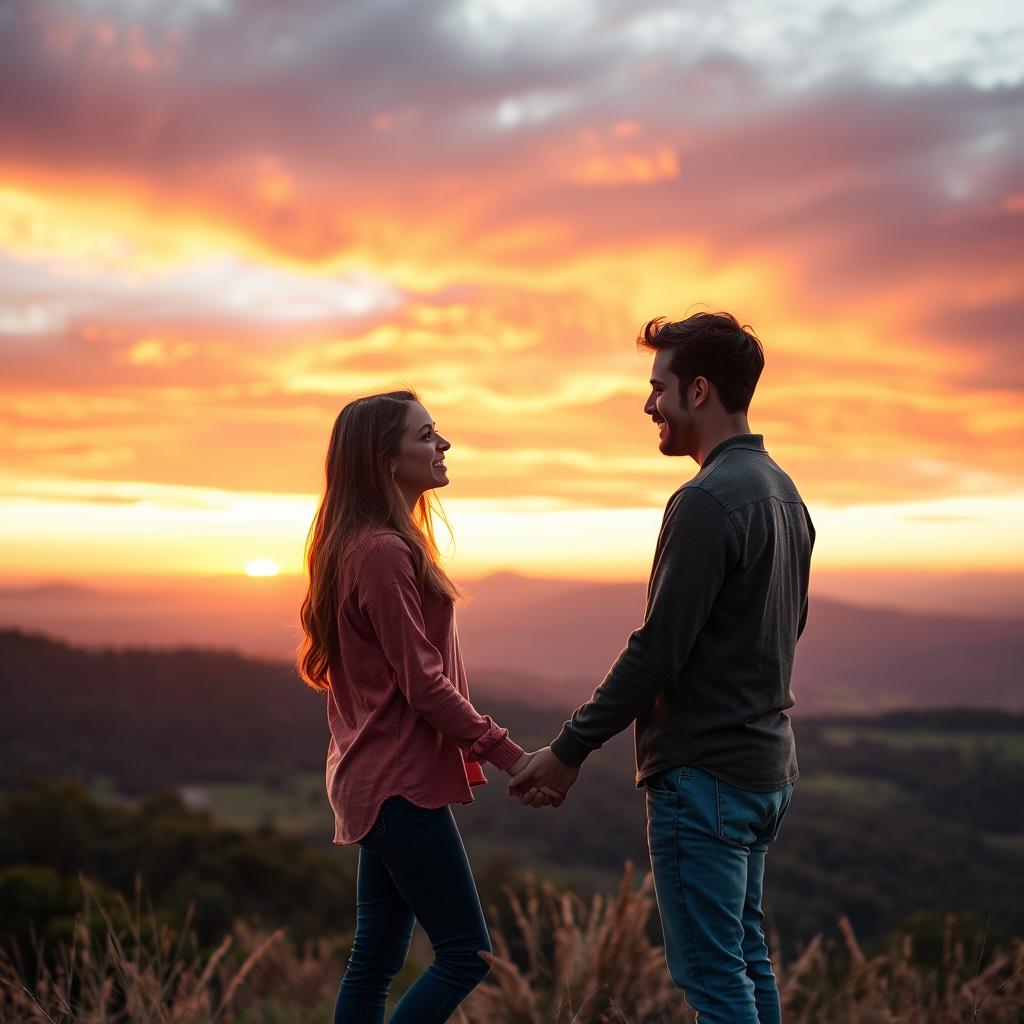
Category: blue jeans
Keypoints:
(413, 867)
(708, 842)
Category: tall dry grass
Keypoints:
(581, 963)
(140, 971)
(595, 965)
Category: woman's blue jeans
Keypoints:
(708, 842)
(413, 867)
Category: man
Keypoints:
(706, 678)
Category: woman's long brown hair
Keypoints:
(361, 498)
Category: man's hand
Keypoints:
(544, 780)
(550, 796)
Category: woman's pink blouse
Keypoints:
(398, 707)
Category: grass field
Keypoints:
(296, 805)
(1002, 744)
(852, 787)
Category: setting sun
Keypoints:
(261, 567)
(220, 278)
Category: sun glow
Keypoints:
(181, 320)
(85, 530)
(262, 567)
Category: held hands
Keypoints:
(540, 779)
(547, 796)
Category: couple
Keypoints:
(705, 679)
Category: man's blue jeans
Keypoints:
(413, 866)
(708, 842)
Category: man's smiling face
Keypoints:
(676, 428)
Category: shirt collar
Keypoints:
(752, 442)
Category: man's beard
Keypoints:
(669, 440)
(673, 441)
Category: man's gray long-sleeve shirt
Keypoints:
(707, 675)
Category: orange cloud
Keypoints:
(290, 215)
(617, 157)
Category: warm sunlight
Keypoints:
(225, 288)
(107, 529)
(226, 224)
(261, 567)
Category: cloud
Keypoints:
(220, 221)
(989, 334)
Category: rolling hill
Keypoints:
(551, 641)
(872, 834)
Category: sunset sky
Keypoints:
(220, 220)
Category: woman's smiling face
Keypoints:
(418, 465)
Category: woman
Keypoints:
(405, 740)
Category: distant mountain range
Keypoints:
(850, 659)
(550, 641)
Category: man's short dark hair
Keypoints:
(711, 345)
